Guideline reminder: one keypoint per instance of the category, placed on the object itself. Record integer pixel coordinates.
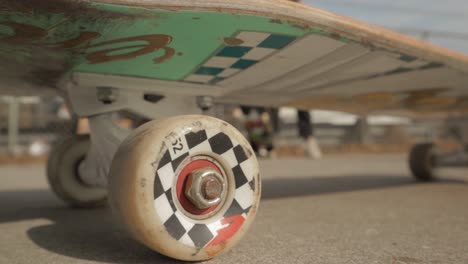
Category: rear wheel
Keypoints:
(62, 174)
(422, 161)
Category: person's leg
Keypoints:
(306, 132)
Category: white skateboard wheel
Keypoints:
(187, 187)
(62, 174)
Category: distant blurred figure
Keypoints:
(306, 132)
(259, 130)
(261, 124)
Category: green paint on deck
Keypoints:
(195, 37)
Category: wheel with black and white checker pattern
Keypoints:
(153, 170)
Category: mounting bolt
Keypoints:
(107, 95)
(205, 102)
(205, 188)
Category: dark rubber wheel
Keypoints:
(422, 161)
(62, 174)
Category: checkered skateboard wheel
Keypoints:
(149, 173)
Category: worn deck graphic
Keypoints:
(252, 57)
(239, 53)
(157, 44)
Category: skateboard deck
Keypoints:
(263, 52)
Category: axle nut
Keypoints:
(205, 188)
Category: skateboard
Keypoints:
(189, 186)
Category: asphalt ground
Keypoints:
(343, 209)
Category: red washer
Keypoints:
(182, 181)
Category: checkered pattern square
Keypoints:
(230, 60)
(177, 224)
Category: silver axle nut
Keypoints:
(205, 188)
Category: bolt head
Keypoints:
(205, 188)
(205, 102)
(212, 188)
(107, 95)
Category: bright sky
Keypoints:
(432, 15)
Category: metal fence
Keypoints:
(29, 125)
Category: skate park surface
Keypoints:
(342, 209)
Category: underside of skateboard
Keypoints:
(186, 185)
